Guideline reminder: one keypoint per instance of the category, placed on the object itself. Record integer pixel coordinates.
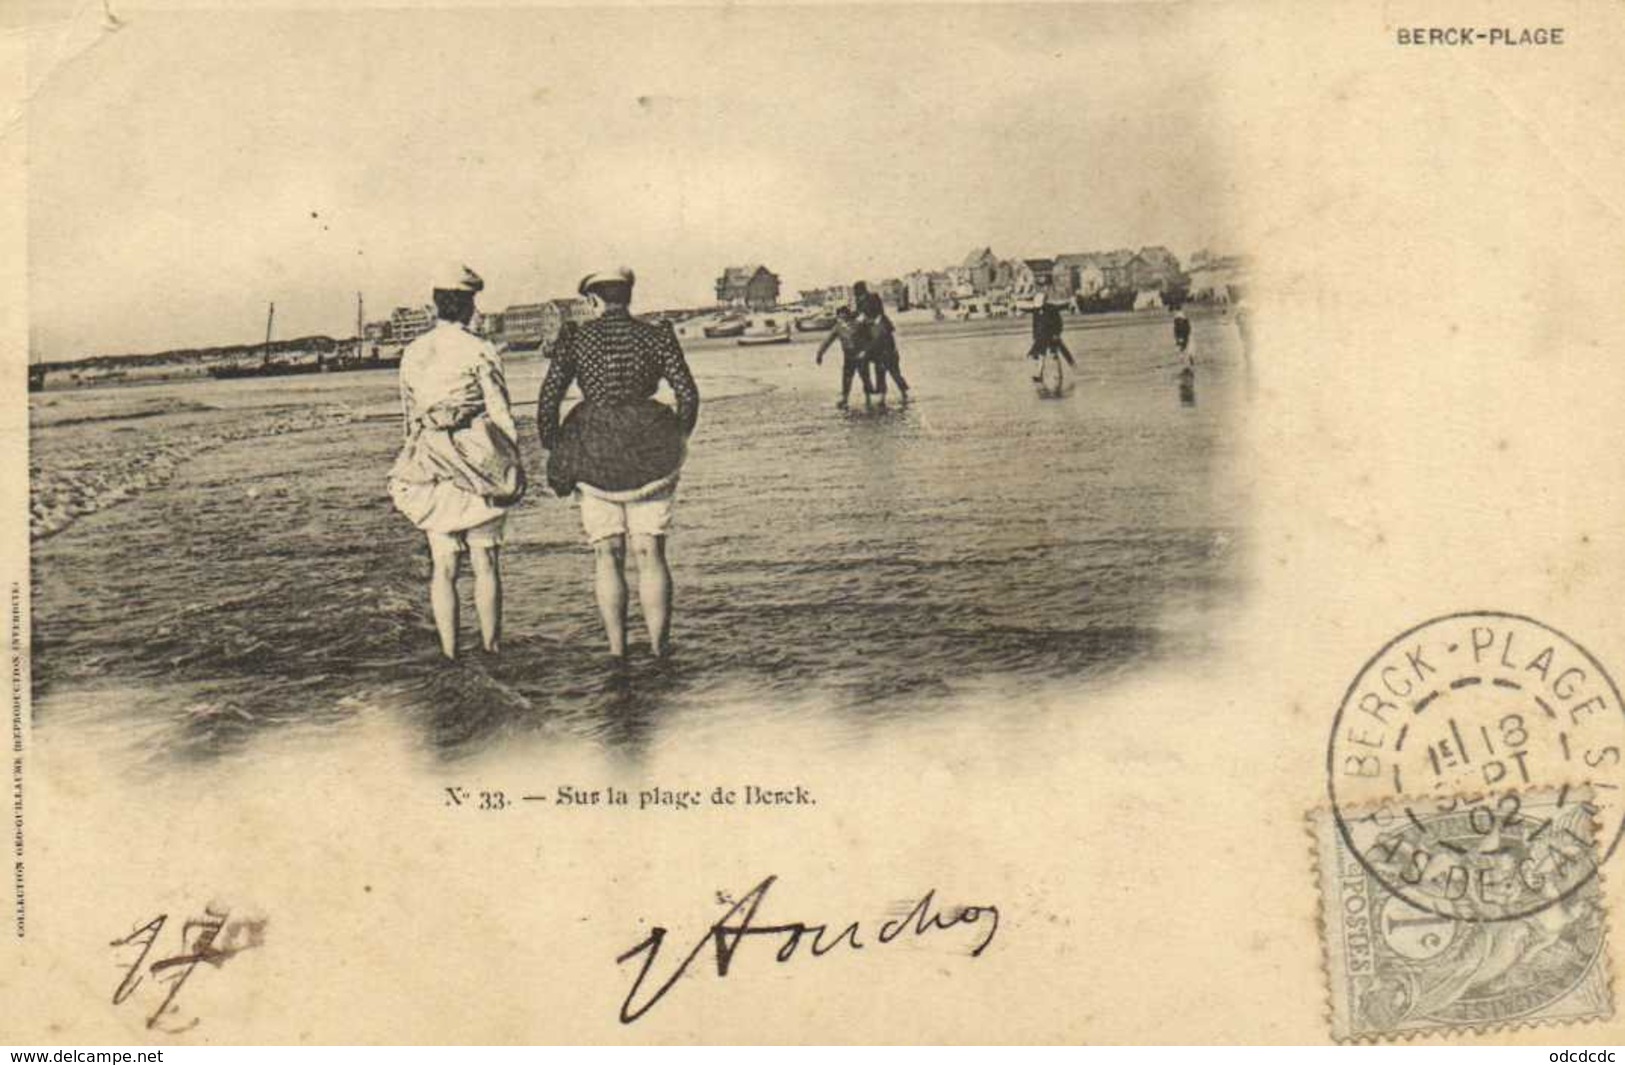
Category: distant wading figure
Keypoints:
(853, 362)
(458, 472)
(620, 451)
(1182, 336)
(1243, 315)
(880, 340)
(1047, 329)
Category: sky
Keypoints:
(193, 166)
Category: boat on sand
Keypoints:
(765, 329)
(729, 325)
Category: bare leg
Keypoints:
(894, 366)
(443, 595)
(654, 589)
(488, 593)
(609, 582)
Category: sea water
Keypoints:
(219, 565)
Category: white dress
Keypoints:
(460, 433)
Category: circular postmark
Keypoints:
(1441, 741)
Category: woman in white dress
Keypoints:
(458, 472)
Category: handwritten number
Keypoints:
(132, 978)
(202, 949)
(200, 942)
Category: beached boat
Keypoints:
(354, 359)
(346, 365)
(356, 356)
(266, 369)
(730, 325)
(815, 323)
(765, 329)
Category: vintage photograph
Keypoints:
(495, 375)
(767, 524)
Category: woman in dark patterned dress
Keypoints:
(620, 451)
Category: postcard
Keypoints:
(940, 523)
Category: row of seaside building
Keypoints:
(523, 325)
(1123, 274)
(983, 275)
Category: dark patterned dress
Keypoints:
(618, 439)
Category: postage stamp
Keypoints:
(1527, 946)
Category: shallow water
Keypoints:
(853, 569)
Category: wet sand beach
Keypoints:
(217, 565)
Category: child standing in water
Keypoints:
(1047, 329)
(1182, 336)
(852, 341)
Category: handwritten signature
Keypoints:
(730, 932)
(213, 938)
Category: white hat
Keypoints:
(619, 275)
(455, 277)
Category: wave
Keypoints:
(102, 475)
